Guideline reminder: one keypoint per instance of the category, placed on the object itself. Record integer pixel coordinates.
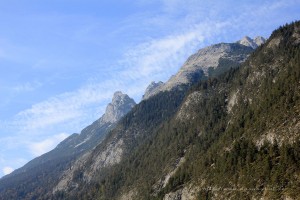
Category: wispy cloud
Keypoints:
(7, 170)
(27, 87)
(59, 109)
(153, 59)
(157, 59)
(153, 56)
(14, 163)
(41, 147)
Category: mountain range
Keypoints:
(226, 126)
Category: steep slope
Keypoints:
(89, 137)
(151, 88)
(133, 130)
(209, 61)
(259, 40)
(49, 166)
(255, 153)
(233, 137)
(125, 138)
(239, 134)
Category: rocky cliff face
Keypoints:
(253, 43)
(121, 104)
(259, 40)
(218, 57)
(90, 136)
(89, 164)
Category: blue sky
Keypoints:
(61, 60)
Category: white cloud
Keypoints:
(27, 87)
(60, 108)
(41, 147)
(159, 58)
(153, 59)
(150, 60)
(7, 170)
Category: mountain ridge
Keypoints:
(211, 140)
(236, 130)
(64, 154)
(202, 64)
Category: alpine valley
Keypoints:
(226, 126)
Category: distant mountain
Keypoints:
(207, 62)
(68, 150)
(93, 134)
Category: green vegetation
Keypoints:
(220, 147)
(225, 150)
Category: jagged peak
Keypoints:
(246, 37)
(152, 87)
(198, 65)
(118, 95)
(259, 40)
(119, 106)
(247, 41)
(253, 43)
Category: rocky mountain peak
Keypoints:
(120, 105)
(201, 63)
(259, 40)
(151, 88)
(253, 43)
(118, 94)
(247, 41)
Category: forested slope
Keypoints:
(235, 136)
